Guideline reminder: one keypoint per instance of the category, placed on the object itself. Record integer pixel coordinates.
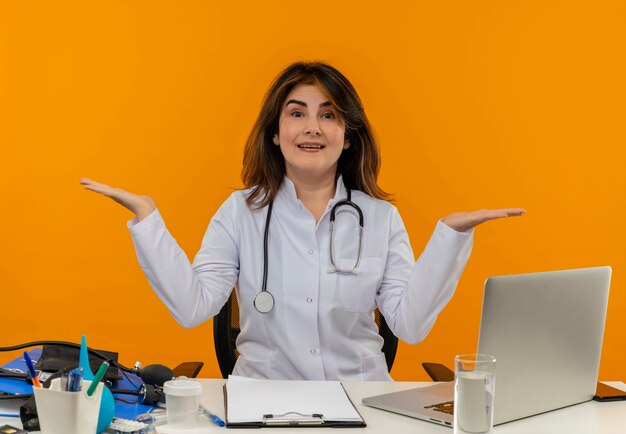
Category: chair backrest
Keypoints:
(226, 329)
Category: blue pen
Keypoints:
(75, 380)
(213, 417)
(31, 370)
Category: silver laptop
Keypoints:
(545, 330)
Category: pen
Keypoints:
(31, 369)
(74, 380)
(213, 417)
(64, 380)
(96, 379)
(153, 419)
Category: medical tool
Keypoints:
(264, 300)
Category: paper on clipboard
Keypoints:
(249, 400)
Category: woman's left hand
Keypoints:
(464, 221)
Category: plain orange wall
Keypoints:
(477, 104)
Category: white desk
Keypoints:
(587, 418)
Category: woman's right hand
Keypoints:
(141, 205)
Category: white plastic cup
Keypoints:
(181, 401)
(62, 412)
(474, 390)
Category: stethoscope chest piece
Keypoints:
(264, 302)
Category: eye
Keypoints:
(296, 114)
(329, 115)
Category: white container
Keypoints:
(181, 401)
(62, 412)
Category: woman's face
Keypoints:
(310, 134)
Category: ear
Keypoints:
(275, 139)
(346, 144)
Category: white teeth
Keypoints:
(310, 146)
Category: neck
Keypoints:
(314, 193)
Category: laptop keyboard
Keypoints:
(444, 407)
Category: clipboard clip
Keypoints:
(293, 418)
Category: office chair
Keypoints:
(188, 369)
(438, 372)
(226, 329)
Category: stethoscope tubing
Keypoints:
(265, 245)
(347, 201)
(264, 300)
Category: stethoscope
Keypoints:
(264, 300)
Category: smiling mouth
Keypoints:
(311, 146)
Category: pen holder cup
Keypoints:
(62, 412)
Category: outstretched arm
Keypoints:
(192, 294)
(413, 294)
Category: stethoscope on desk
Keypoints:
(264, 300)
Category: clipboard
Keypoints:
(251, 403)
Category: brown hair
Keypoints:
(263, 162)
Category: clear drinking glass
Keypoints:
(474, 389)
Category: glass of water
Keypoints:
(474, 389)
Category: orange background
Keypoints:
(477, 105)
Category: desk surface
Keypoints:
(587, 418)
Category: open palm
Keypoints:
(464, 221)
(141, 205)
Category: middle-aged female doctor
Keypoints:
(307, 276)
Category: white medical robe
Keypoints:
(321, 327)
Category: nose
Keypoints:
(313, 127)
